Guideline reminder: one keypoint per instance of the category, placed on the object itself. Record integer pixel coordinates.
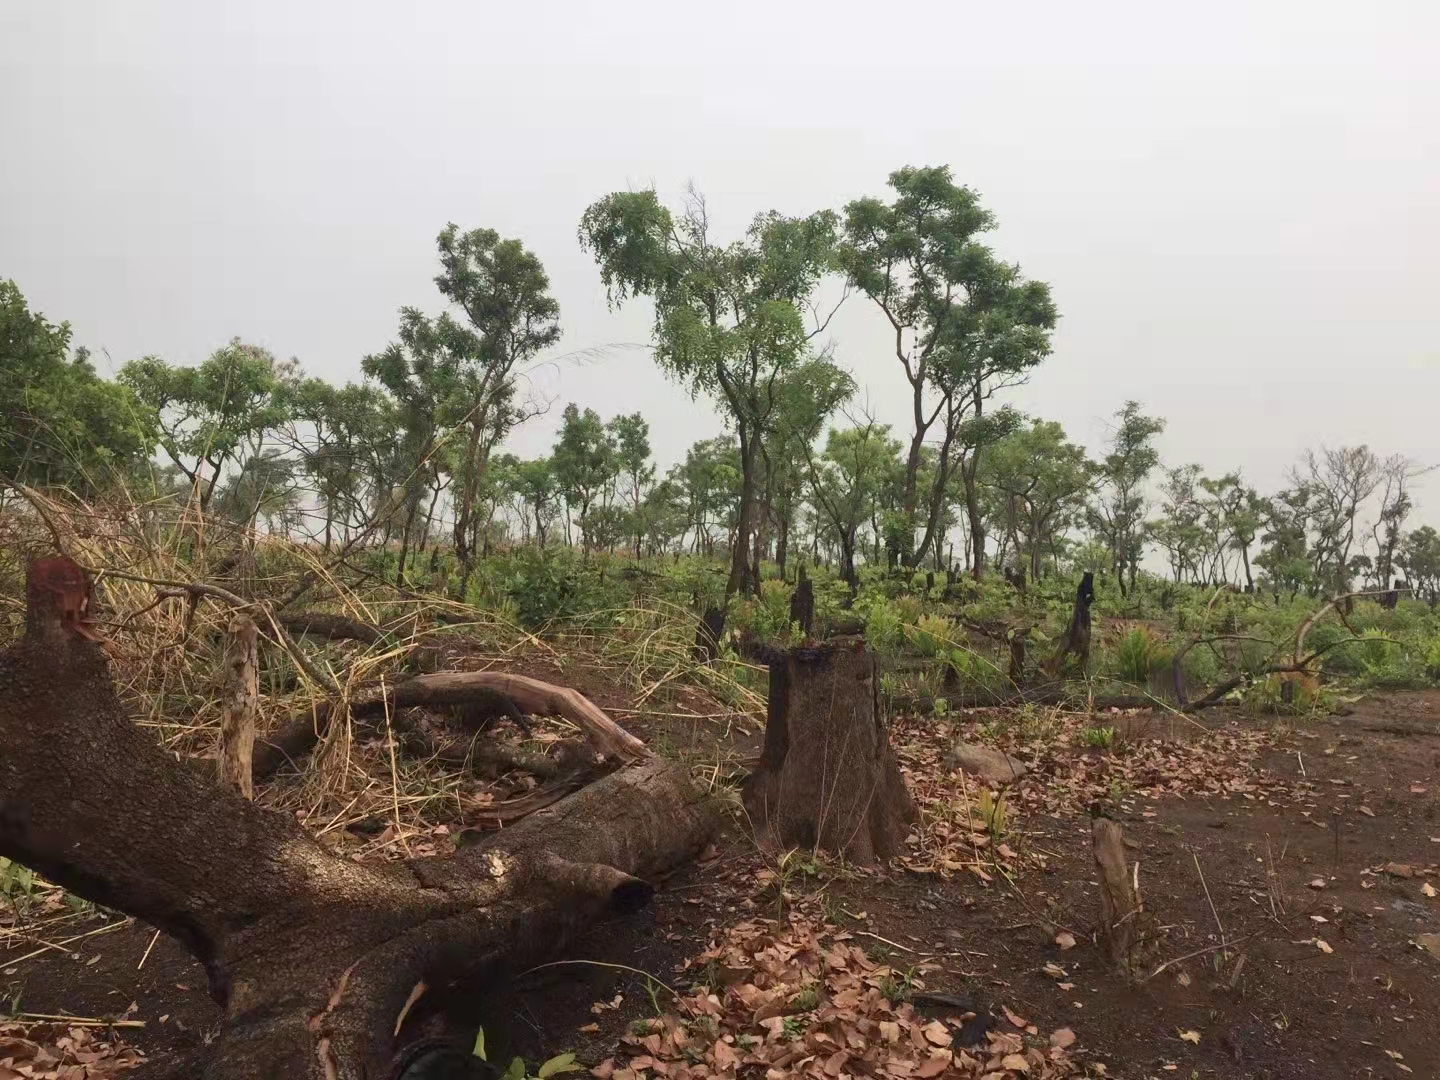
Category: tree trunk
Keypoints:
(802, 604)
(1077, 637)
(237, 718)
(312, 956)
(827, 777)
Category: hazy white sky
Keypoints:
(1237, 204)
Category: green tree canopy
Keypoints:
(63, 424)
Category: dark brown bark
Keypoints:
(334, 627)
(312, 956)
(802, 605)
(1077, 637)
(827, 777)
(707, 634)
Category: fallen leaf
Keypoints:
(935, 1066)
(1428, 889)
(1400, 869)
(1323, 945)
(1317, 883)
(1191, 1036)
(1430, 942)
(1055, 971)
(1013, 1061)
(937, 1033)
(1367, 811)
(1065, 939)
(1062, 1038)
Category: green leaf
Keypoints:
(479, 1050)
(560, 1063)
(516, 1071)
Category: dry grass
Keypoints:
(168, 582)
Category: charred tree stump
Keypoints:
(242, 695)
(802, 604)
(313, 957)
(827, 777)
(1077, 637)
(707, 634)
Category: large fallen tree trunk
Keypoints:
(313, 957)
(827, 776)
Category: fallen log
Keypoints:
(332, 627)
(312, 956)
(296, 738)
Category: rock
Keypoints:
(987, 763)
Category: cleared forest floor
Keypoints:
(1288, 869)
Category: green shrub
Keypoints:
(1135, 655)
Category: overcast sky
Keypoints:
(1237, 204)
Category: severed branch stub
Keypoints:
(241, 697)
(827, 777)
(311, 956)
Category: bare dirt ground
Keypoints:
(1288, 869)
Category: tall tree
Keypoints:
(1041, 481)
(1337, 483)
(504, 293)
(858, 463)
(584, 461)
(728, 319)
(535, 486)
(1118, 514)
(344, 435)
(214, 414)
(63, 424)
(966, 324)
(422, 372)
(635, 471)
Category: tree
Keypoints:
(858, 463)
(1284, 554)
(630, 436)
(63, 424)
(1118, 513)
(503, 291)
(421, 372)
(535, 486)
(805, 398)
(965, 323)
(213, 414)
(1419, 557)
(1042, 482)
(584, 462)
(344, 436)
(1336, 483)
(728, 320)
(707, 484)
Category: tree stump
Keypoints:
(827, 777)
(242, 695)
(1120, 906)
(802, 604)
(1077, 637)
